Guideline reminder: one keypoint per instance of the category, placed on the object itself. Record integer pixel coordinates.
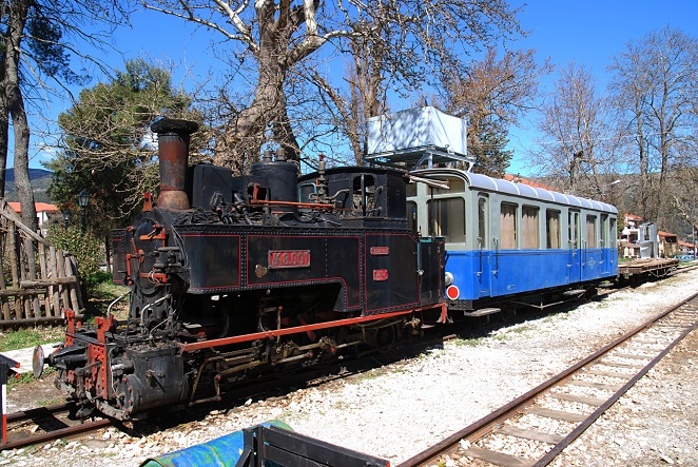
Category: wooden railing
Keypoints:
(37, 281)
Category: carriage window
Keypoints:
(552, 228)
(573, 229)
(411, 189)
(613, 232)
(604, 231)
(482, 222)
(447, 218)
(507, 223)
(412, 216)
(455, 185)
(591, 231)
(530, 227)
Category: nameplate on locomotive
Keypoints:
(380, 250)
(282, 259)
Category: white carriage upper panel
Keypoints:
(483, 182)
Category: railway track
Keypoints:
(44, 424)
(533, 429)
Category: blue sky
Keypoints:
(588, 32)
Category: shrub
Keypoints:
(86, 248)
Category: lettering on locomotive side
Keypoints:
(380, 250)
(283, 259)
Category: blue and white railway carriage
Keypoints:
(507, 239)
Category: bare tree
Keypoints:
(492, 93)
(405, 39)
(36, 48)
(578, 140)
(654, 90)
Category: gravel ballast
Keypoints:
(398, 410)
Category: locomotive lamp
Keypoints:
(83, 201)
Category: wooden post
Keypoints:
(74, 286)
(33, 304)
(14, 267)
(44, 276)
(54, 288)
(65, 294)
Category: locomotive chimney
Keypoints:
(173, 153)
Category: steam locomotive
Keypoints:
(232, 276)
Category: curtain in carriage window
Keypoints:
(447, 218)
(552, 223)
(591, 231)
(530, 227)
(507, 223)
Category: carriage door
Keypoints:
(482, 243)
(574, 264)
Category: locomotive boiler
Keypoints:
(234, 276)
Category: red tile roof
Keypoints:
(526, 181)
(40, 207)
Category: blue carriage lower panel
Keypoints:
(480, 274)
(598, 263)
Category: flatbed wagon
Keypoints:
(641, 269)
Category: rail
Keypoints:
(44, 424)
(624, 361)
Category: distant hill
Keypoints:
(34, 174)
(40, 180)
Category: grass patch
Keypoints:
(472, 342)
(502, 336)
(50, 402)
(100, 293)
(25, 378)
(30, 337)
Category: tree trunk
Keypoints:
(15, 105)
(243, 137)
(4, 131)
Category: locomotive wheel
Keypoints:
(508, 313)
(385, 337)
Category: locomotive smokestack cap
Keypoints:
(173, 153)
(173, 125)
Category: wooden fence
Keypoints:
(37, 281)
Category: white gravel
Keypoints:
(396, 411)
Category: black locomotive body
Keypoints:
(234, 276)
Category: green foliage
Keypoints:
(84, 246)
(109, 149)
(489, 150)
(44, 40)
(30, 337)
